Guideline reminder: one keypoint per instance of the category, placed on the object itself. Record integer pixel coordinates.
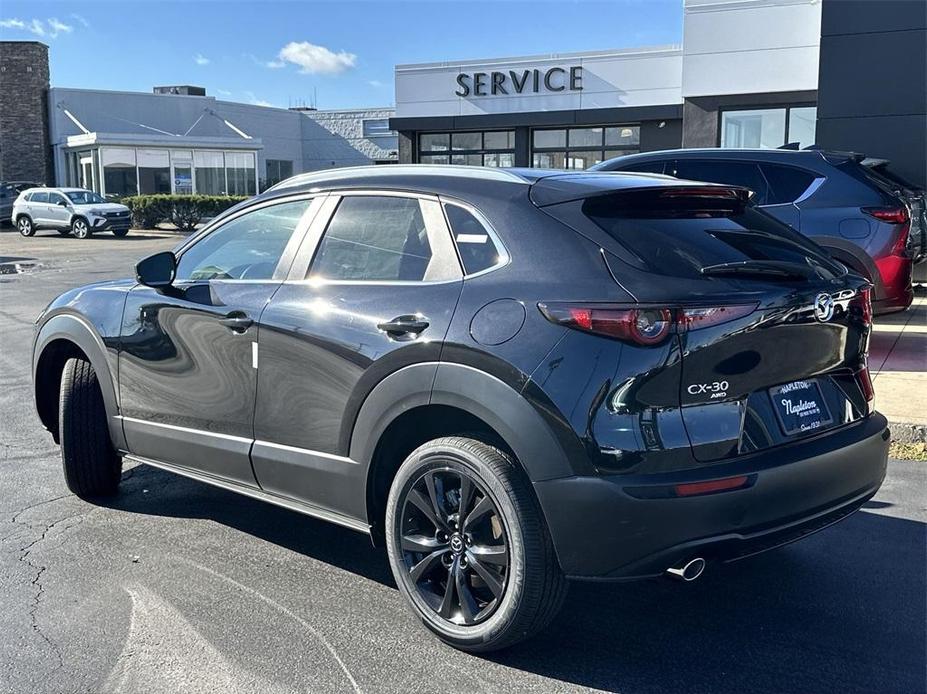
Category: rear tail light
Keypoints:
(894, 215)
(640, 325)
(865, 385)
(712, 486)
(861, 305)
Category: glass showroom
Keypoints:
(136, 170)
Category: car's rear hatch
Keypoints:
(773, 334)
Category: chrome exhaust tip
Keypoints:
(689, 571)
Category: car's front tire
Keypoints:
(92, 468)
(25, 226)
(468, 546)
(80, 228)
(119, 233)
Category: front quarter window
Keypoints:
(248, 247)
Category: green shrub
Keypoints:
(183, 211)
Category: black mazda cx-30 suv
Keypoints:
(508, 377)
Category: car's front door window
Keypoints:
(248, 247)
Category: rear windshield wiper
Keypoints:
(761, 268)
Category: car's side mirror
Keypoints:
(157, 270)
(63, 203)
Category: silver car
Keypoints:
(69, 211)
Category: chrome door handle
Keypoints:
(237, 322)
(404, 326)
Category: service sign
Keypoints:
(534, 81)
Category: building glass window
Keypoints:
(377, 127)
(119, 171)
(278, 170)
(183, 171)
(239, 173)
(154, 171)
(802, 123)
(580, 148)
(210, 173)
(768, 128)
(492, 148)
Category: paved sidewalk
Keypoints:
(898, 363)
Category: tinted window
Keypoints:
(246, 248)
(786, 183)
(39, 197)
(474, 244)
(677, 236)
(644, 167)
(732, 172)
(377, 238)
(56, 199)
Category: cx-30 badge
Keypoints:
(823, 307)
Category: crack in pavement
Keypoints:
(24, 556)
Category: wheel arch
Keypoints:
(60, 338)
(425, 401)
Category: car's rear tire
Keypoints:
(120, 232)
(484, 530)
(80, 228)
(25, 226)
(92, 468)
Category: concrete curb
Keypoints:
(906, 432)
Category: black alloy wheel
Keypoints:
(469, 547)
(454, 546)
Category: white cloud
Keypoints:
(51, 28)
(313, 59)
(253, 100)
(376, 84)
(272, 64)
(57, 27)
(80, 19)
(223, 92)
(200, 59)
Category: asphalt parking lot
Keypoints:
(178, 586)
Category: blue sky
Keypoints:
(278, 53)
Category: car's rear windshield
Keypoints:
(879, 176)
(677, 234)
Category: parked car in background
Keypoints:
(69, 211)
(9, 191)
(508, 377)
(870, 221)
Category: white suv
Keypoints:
(69, 210)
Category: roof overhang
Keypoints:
(154, 140)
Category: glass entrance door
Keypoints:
(86, 172)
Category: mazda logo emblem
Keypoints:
(456, 543)
(823, 307)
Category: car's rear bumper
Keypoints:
(601, 531)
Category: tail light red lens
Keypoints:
(894, 215)
(861, 304)
(865, 384)
(712, 486)
(640, 325)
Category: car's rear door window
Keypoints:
(786, 183)
(735, 173)
(478, 249)
(39, 196)
(383, 238)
